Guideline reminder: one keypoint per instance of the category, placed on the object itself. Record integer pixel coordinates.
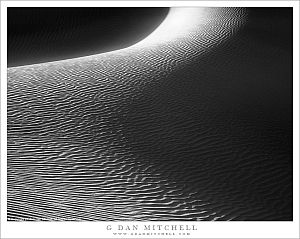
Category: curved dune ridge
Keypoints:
(40, 34)
(192, 123)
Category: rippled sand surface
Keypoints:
(189, 124)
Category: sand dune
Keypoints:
(192, 123)
(39, 34)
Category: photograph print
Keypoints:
(149, 114)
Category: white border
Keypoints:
(98, 229)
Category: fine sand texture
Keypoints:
(194, 122)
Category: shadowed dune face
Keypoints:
(38, 35)
(191, 123)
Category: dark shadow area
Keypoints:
(47, 34)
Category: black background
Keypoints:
(45, 34)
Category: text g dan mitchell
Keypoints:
(152, 227)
